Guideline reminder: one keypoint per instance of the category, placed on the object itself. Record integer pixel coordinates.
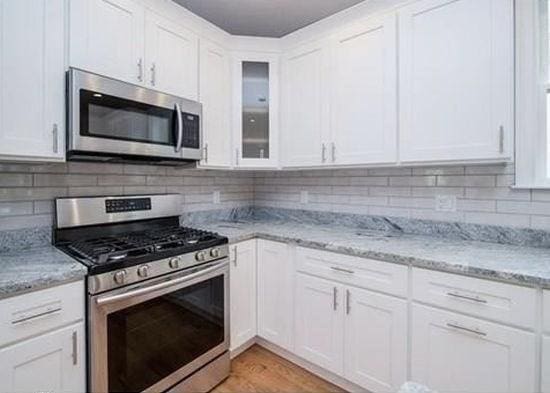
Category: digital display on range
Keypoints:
(127, 205)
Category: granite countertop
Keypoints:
(36, 268)
(508, 263)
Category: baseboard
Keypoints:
(243, 347)
(312, 368)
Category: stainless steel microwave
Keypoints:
(115, 121)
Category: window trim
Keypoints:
(531, 102)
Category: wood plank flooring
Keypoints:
(258, 370)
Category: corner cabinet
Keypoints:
(215, 96)
(32, 80)
(124, 40)
(456, 80)
(255, 109)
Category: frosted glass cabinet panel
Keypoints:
(255, 113)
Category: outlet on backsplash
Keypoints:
(304, 197)
(445, 203)
(216, 197)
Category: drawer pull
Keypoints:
(348, 301)
(465, 297)
(334, 298)
(31, 317)
(466, 329)
(74, 355)
(340, 269)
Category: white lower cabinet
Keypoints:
(375, 349)
(358, 334)
(319, 315)
(53, 362)
(242, 287)
(275, 293)
(455, 353)
(545, 364)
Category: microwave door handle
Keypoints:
(179, 120)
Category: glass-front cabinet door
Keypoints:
(256, 110)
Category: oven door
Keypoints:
(110, 117)
(148, 337)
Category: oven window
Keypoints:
(105, 116)
(151, 340)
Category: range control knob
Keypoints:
(120, 277)
(200, 256)
(143, 271)
(215, 252)
(174, 263)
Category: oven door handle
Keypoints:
(179, 118)
(158, 287)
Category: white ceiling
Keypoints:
(264, 18)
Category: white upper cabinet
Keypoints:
(107, 37)
(123, 40)
(215, 96)
(171, 54)
(255, 109)
(32, 79)
(304, 112)
(363, 121)
(456, 80)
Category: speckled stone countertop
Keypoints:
(508, 263)
(36, 268)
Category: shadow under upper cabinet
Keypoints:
(255, 110)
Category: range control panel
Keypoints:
(127, 205)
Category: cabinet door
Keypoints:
(453, 353)
(242, 282)
(172, 54)
(32, 79)
(107, 37)
(364, 93)
(53, 362)
(319, 328)
(215, 96)
(545, 364)
(456, 80)
(304, 106)
(275, 293)
(375, 340)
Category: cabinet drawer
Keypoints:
(36, 312)
(361, 272)
(546, 311)
(501, 302)
(455, 353)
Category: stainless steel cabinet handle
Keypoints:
(334, 298)
(466, 297)
(206, 152)
(455, 325)
(235, 256)
(153, 74)
(180, 127)
(324, 153)
(55, 135)
(75, 349)
(140, 69)
(32, 317)
(348, 301)
(501, 139)
(333, 146)
(341, 269)
(236, 156)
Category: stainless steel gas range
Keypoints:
(158, 301)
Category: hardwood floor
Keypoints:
(259, 370)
